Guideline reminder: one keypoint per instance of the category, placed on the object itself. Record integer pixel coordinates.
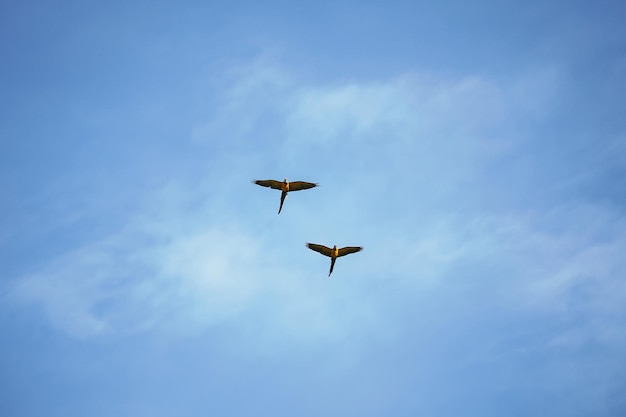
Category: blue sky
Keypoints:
(476, 150)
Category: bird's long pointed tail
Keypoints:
(282, 200)
(332, 265)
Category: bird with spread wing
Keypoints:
(333, 253)
(285, 186)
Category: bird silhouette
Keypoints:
(333, 253)
(285, 186)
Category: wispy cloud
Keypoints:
(419, 107)
(417, 146)
(168, 271)
(561, 264)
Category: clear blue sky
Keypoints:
(477, 150)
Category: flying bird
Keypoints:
(333, 253)
(285, 186)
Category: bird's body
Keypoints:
(285, 186)
(333, 253)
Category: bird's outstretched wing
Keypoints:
(348, 250)
(301, 185)
(320, 249)
(277, 185)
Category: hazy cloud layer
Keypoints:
(422, 195)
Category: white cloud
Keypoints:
(248, 94)
(192, 259)
(415, 107)
(562, 262)
(127, 283)
(169, 272)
